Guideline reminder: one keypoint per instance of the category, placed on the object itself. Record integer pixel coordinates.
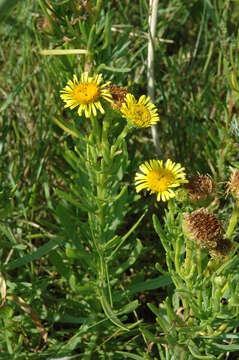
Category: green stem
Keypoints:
(171, 210)
(105, 142)
(199, 261)
(108, 284)
(119, 139)
(233, 220)
(95, 11)
(95, 129)
(178, 266)
(102, 271)
(188, 260)
(101, 136)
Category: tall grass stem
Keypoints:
(153, 7)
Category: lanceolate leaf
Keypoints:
(109, 312)
(41, 251)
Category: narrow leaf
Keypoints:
(196, 352)
(66, 127)
(109, 312)
(128, 355)
(41, 251)
(232, 347)
(132, 258)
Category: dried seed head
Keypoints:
(233, 184)
(199, 187)
(118, 94)
(203, 227)
(223, 248)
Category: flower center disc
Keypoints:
(140, 115)
(160, 180)
(86, 93)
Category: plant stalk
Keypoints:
(233, 220)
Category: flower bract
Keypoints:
(142, 113)
(86, 94)
(159, 178)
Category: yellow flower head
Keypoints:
(142, 113)
(159, 178)
(86, 94)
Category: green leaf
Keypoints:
(109, 312)
(81, 255)
(232, 347)
(57, 261)
(72, 200)
(41, 251)
(161, 317)
(8, 233)
(66, 318)
(128, 355)
(132, 258)
(129, 307)
(151, 284)
(67, 127)
(125, 237)
(112, 242)
(12, 96)
(149, 336)
(159, 230)
(63, 212)
(197, 353)
(6, 6)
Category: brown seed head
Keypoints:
(199, 187)
(233, 184)
(203, 227)
(118, 94)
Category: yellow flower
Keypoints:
(159, 178)
(86, 94)
(142, 113)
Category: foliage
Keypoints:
(83, 273)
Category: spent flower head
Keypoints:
(159, 178)
(86, 94)
(118, 94)
(202, 226)
(142, 113)
(199, 187)
(233, 184)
